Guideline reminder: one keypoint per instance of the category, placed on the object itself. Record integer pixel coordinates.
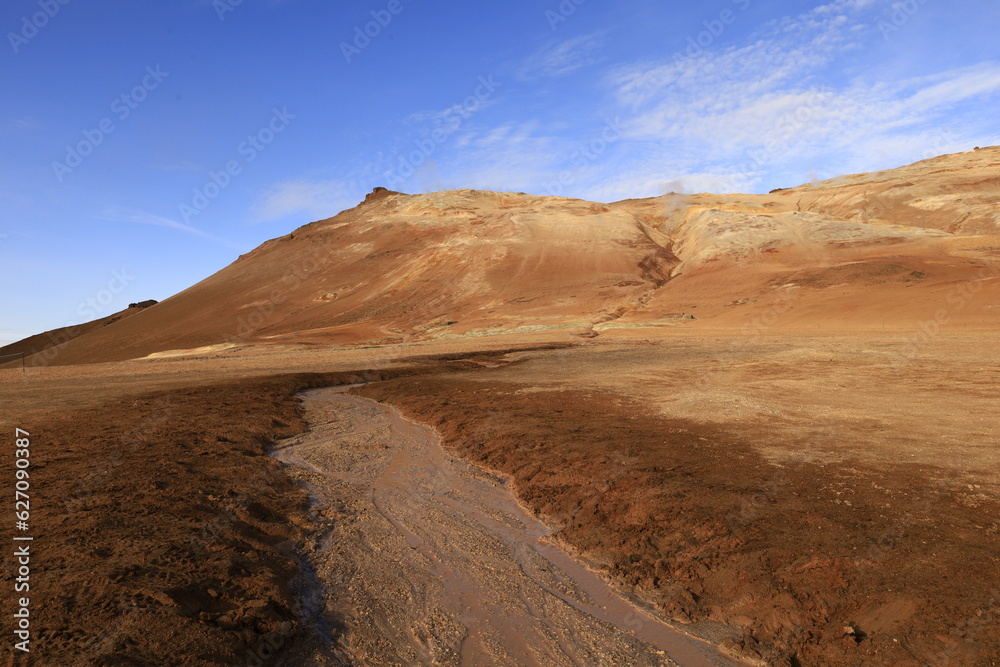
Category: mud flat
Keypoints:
(432, 560)
(829, 522)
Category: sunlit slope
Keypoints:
(399, 268)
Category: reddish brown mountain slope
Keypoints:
(39, 343)
(909, 248)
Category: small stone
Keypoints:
(227, 622)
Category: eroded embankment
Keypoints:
(834, 565)
(440, 565)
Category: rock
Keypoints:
(144, 304)
(227, 622)
(379, 193)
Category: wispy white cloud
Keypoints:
(771, 111)
(314, 198)
(747, 112)
(512, 156)
(956, 86)
(449, 118)
(781, 124)
(561, 58)
(137, 216)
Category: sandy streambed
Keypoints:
(431, 560)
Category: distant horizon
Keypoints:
(190, 143)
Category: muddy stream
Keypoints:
(434, 561)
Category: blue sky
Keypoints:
(144, 146)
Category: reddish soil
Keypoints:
(165, 536)
(163, 532)
(900, 569)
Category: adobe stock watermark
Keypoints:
(267, 649)
(364, 34)
(295, 274)
(121, 107)
(901, 14)
(248, 150)
(585, 156)
(93, 647)
(714, 28)
(137, 436)
(957, 299)
(453, 119)
(562, 12)
(223, 7)
(31, 25)
(304, 612)
(94, 306)
(944, 139)
(787, 128)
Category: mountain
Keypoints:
(910, 248)
(907, 248)
(40, 343)
(958, 194)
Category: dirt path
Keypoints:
(441, 566)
